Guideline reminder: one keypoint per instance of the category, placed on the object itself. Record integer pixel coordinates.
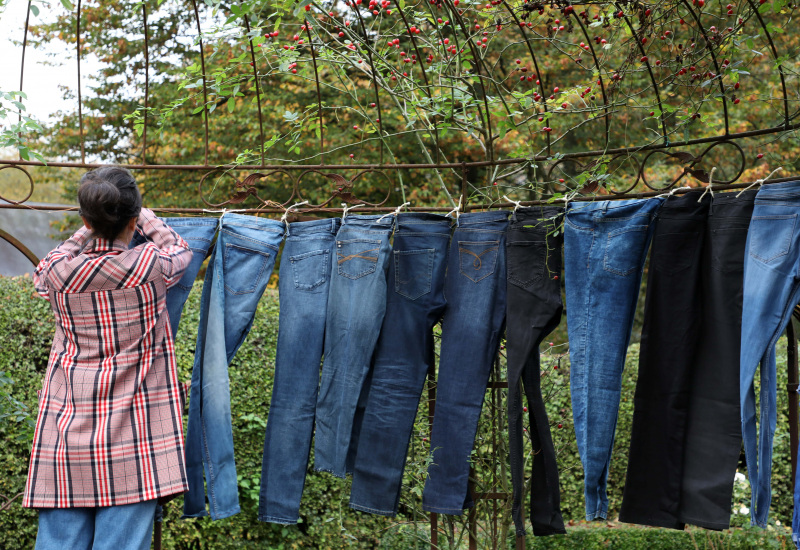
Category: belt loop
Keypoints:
(286, 232)
(333, 226)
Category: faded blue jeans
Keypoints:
(404, 353)
(605, 245)
(198, 234)
(305, 276)
(356, 306)
(475, 290)
(771, 290)
(125, 527)
(237, 276)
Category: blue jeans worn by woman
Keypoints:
(771, 290)
(403, 356)
(605, 245)
(356, 306)
(237, 276)
(305, 276)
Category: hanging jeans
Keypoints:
(237, 275)
(198, 234)
(475, 290)
(404, 353)
(605, 245)
(771, 291)
(356, 306)
(672, 323)
(305, 275)
(686, 427)
(533, 249)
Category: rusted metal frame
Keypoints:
(374, 84)
(539, 76)
(780, 67)
(157, 535)
(400, 166)
(709, 45)
(791, 387)
(319, 95)
(146, 83)
(80, 108)
(478, 63)
(665, 135)
(599, 76)
(16, 243)
(700, 175)
(22, 64)
(258, 88)
(424, 75)
(30, 183)
(205, 88)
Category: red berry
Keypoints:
(352, 155)
(736, 101)
(560, 425)
(736, 86)
(760, 156)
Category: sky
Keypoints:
(40, 81)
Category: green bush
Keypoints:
(27, 327)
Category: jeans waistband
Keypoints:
(734, 197)
(788, 191)
(535, 213)
(476, 218)
(420, 222)
(330, 226)
(198, 222)
(252, 222)
(376, 222)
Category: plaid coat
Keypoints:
(109, 429)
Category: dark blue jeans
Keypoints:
(605, 245)
(305, 276)
(771, 291)
(237, 276)
(475, 290)
(356, 306)
(198, 234)
(404, 353)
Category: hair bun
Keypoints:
(108, 199)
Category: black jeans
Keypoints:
(533, 311)
(686, 435)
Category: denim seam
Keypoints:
(599, 219)
(266, 228)
(275, 519)
(330, 471)
(361, 508)
(577, 227)
(438, 510)
(256, 241)
(402, 233)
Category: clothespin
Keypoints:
(296, 205)
(759, 182)
(396, 211)
(709, 186)
(347, 208)
(456, 210)
(517, 204)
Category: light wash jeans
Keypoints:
(237, 276)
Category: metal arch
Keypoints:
(697, 173)
(780, 66)
(709, 45)
(319, 94)
(16, 243)
(258, 88)
(344, 189)
(205, 88)
(30, 181)
(24, 46)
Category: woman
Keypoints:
(108, 442)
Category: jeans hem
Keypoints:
(664, 524)
(360, 508)
(714, 526)
(547, 531)
(599, 514)
(281, 521)
(329, 471)
(226, 513)
(755, 522)
(438, 510)
(202, 514)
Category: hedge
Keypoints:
(27, 326)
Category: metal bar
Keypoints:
(202, 68)
(146, 84)
(258, 88)
(16, 243)
(775, 56)
(24, 46)
(400, 166)
(791, 365)
(319, 94)
(157, 536)
(80, 108)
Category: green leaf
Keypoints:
(35, 10)
(231, 104)
(67, 4)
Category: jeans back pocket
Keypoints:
(413, 271)
(310, 270)
(723, 242)
(675, 252)
(357, 257)
(771, 236)
(244, 267)
(625, 250)
(477, 259)
(527, 262)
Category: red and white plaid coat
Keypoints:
(109, 429)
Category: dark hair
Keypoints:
(108, 199)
